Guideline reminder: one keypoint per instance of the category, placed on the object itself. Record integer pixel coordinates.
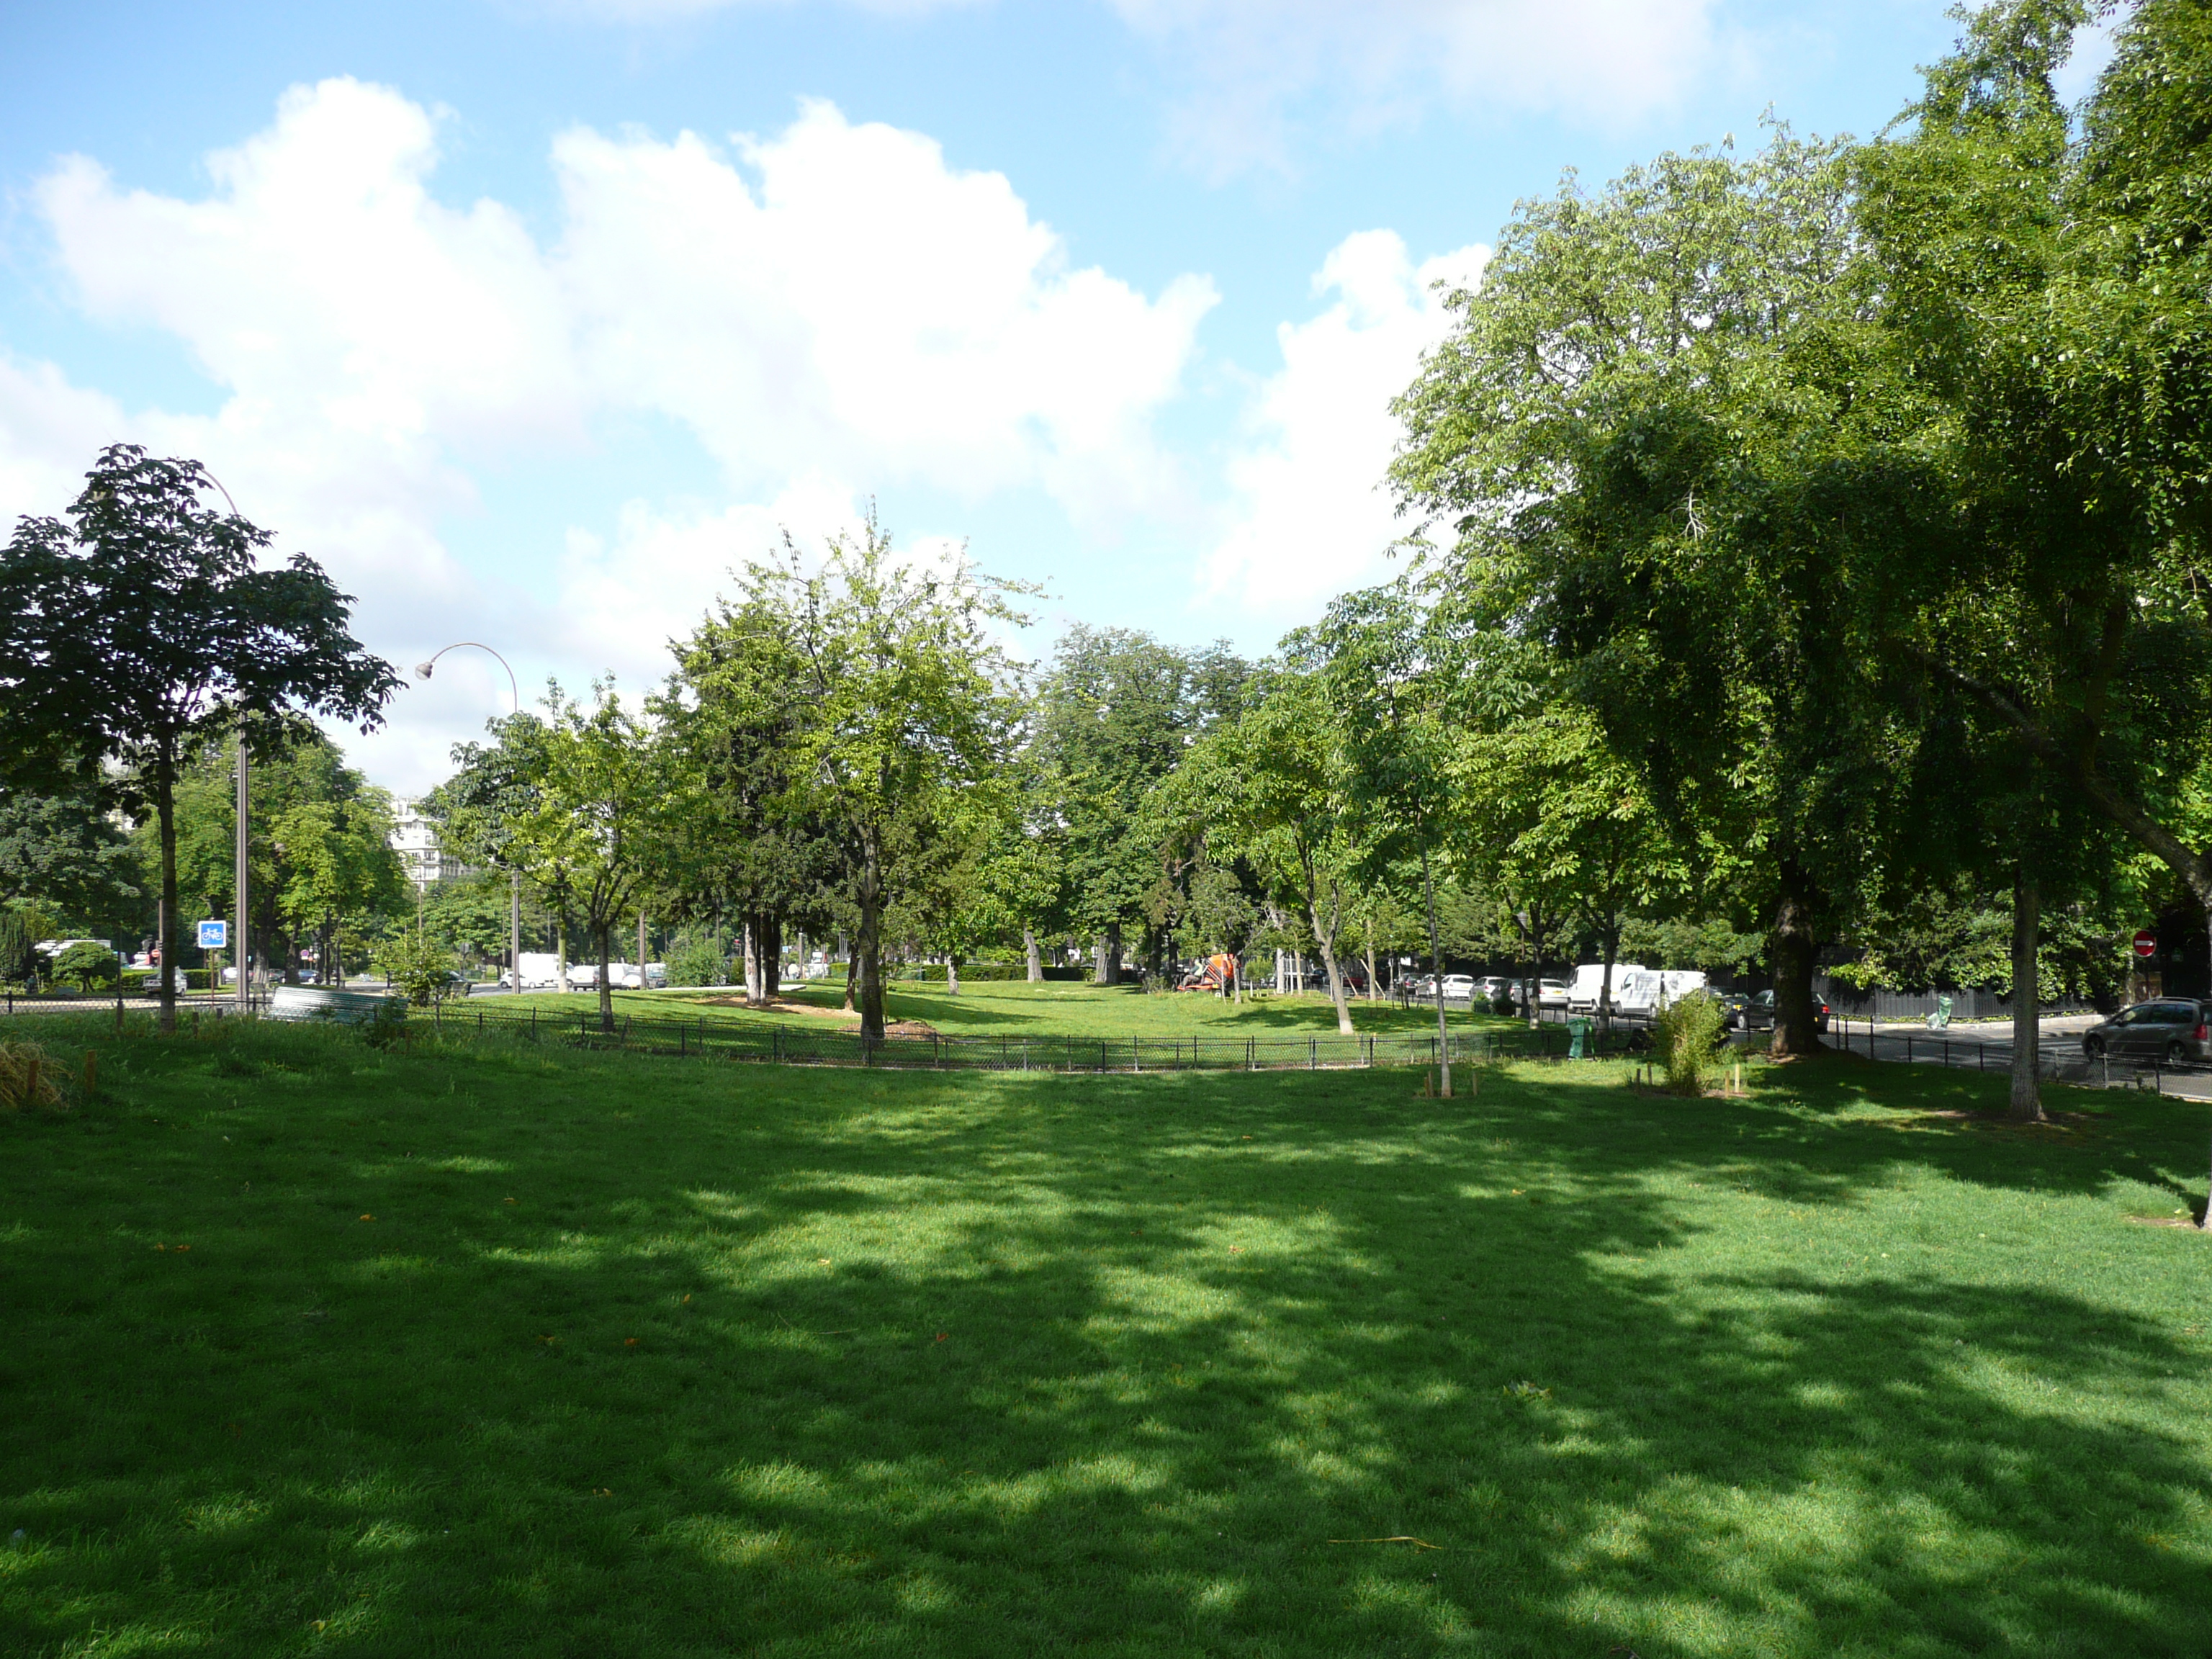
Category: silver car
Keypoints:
(2172, 1029)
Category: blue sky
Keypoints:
(531, 320)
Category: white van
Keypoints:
(1590, 979)
(1643, 992)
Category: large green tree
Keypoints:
(1114, 716)
(895, 708)
(1644, 447)
(598, 820)
(143, 623)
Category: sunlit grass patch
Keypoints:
(663, 1358)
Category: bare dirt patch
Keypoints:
(779, 1006)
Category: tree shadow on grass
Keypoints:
(976, 1366)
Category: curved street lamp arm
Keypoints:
(422, 669)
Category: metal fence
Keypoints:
(706, 1038)
(2059, 1057)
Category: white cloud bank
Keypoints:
(828, 307)
(1250, 71)
(1311, 516)
(832, 305)
(1252, 67)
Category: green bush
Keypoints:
(971, 973)
(86, 965)
(1683, 1037)
(698, 962)
(416, 967)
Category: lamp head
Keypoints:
(422, 669)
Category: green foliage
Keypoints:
(418, 967)
(971, 973)
(86, 965)
(145, 624)
(894, 710)
(22, 927)
(698, 959)
(1683, 1037)
(65, 853)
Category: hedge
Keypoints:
(975, 973)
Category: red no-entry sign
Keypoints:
(2146, 943)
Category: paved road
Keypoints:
(1988, 1046)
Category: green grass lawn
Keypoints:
(318, 1349)
(1013, 1008)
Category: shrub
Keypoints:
(86, 965)
(698, 962)
(971, 973)
(1683, 1037)
(416, 967)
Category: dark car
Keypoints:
(1759, 1013)
(2172, 1029)
(1732, 1005)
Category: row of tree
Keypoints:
(1853, 493)
(1809, 549)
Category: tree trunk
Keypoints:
(1796, 1021)
(870, 940)
(772, 956)
(951, 974)
(1437, 969)
(640, 949)
(751, 936)
(2026, 1103)
(560, 946)
(605, 931)
(1327, 938)
(1036, 957)
(852, 975)
(165, 923)
(1612, 935)
(1113, 953)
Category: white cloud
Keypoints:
(622, 601)
(1254, 68)
(830, 309)
(1311, 519)
(857, 305)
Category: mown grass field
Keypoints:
(1014, 1008)
(317, 1349)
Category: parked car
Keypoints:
(626, 976)
(1552, 992)
(584, 975)
(1459, 987)
(1732, 1005)
(1759, 1013)
(2173, 1029)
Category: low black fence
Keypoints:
(792, 1045)
(2059, 1057)
(707, 1037)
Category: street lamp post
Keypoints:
(514, 876)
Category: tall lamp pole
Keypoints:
(238, 935)
(239, 951)
(514, 876)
